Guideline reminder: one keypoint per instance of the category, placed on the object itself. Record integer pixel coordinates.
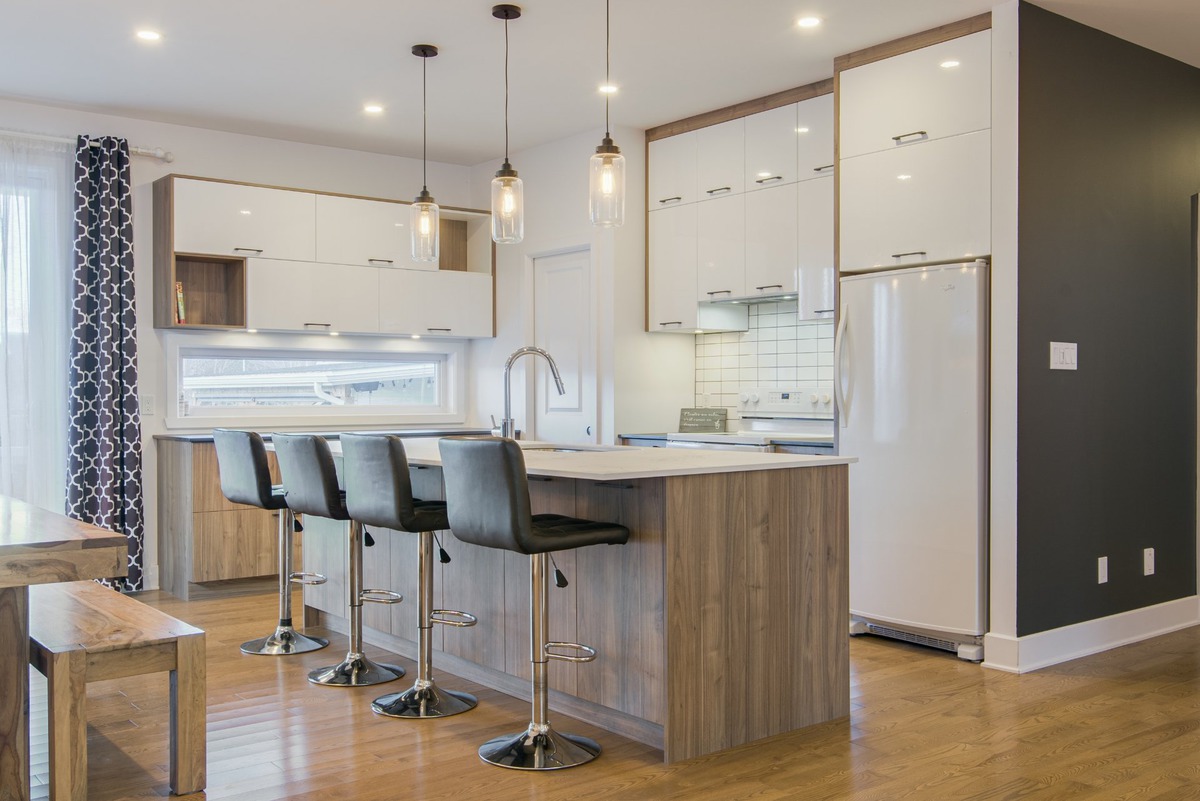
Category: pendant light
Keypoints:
(606, 167)
(425, 216)
(508, 202)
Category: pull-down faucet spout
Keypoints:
(508, 425)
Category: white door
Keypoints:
(564, 326)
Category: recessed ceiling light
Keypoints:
(373, 108)
(948, 65)
(149, 36)
(903, 177)
(808, 22)
(801, 130)
(608, 89)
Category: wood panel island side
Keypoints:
(722, 621)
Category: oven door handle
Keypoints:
(839, 393)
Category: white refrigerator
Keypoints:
(910, 375)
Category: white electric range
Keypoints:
(798, 419)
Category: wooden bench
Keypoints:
(81, 632)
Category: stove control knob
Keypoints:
(743, 397)
(825, 399)
(754, 397)
(812, 399)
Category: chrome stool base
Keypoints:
(355, 671)
(424, 700)
(539, 748)
(286, 640)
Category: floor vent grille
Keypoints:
(919, 639)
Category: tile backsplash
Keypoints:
(776, 351)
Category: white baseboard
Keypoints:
(1023, 654)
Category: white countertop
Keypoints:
(609, 463)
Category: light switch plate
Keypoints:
(1064, 356)
(146, 405)
(1102, 570)
(1147, 561)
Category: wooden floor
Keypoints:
(924, 725)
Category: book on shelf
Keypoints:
(180, 317)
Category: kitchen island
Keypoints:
(722, 621)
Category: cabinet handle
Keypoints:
(910, 253)
(380, 261)
(613, 485)
(768, 180)
(319, 325)
(919, 134)
(444, 330)
(718, 189)
(671, 199)
(249, 250)
(673, 322)
(822, 169)
(769, 286)
(822, 311)
(720, 292)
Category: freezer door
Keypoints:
(912, 379)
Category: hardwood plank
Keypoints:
(14, 686)
(743, 109)
(916, 41)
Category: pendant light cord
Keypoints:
(424, 123)
(607, 57)
(506, 90)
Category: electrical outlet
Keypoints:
(1147, 561)
(146, 404)
(1064, 356)
(1102, 570)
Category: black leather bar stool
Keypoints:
(487, 496)
(246, 478)
(312, 489)
(379, 493)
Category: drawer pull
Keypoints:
(768, 180)
(719, 292)
(673, 322)
(249, 250)
(718, 189)
(675, 199)
(613, 485)
(822, 169)
(910, 253)
(380, 261)
(443, 330)
(822, 311)
(769, 286)
(919, 134)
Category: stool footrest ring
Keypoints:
(308, 579)
(587, 653)
(381, 596)
(452, 617)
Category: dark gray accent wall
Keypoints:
(1109, 159)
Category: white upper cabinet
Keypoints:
(923, 95)
(770, 149)
(672, 172)
(814, 137)
(310, 296)
(720, 248)
(672, 285)
(917, 204)
(225, 219)
(720, 160)
(814, 212)
(771, 242)
(436, 303)
(368, 232)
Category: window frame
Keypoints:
(451, 354)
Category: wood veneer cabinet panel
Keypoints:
(236, 544)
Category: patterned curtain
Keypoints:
(104, 460)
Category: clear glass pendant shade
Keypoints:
(606, 189)
(425, 221)
(508, 209)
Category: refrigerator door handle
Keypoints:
(838, 393)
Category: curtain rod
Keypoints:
(150, 152)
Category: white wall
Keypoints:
(220, 155)
(643, 379)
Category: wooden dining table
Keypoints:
(37, 547)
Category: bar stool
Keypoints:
(379, 493)
(487, 495)
(312, 489)
(246, 478)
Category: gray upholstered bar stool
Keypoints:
(306, 464)
(487, 496)
(246, 478)
(379, 493)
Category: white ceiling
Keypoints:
(302, 69)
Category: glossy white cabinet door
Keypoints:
(814, 210)
(771, 240)
(436, 303)
(914, 97)
(917, 204)
(814, 137)
(770, 159)
(672, 171)
(373, 233)
(721, 248)
(720, 162)
(310, 296)
(235, 220)
(672, 284)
